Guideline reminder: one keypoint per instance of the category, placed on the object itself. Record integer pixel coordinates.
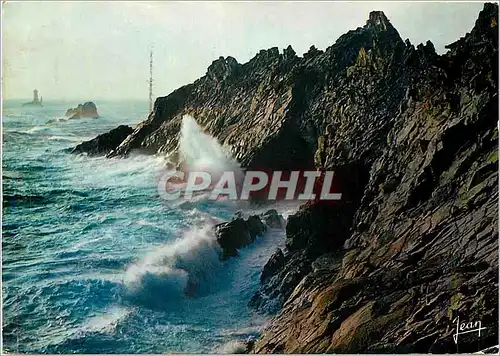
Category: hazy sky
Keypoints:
(100, 50)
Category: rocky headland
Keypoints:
(105, 143)
(86, 110)
(413, 139)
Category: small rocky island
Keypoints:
(35, 102)
(87, 110)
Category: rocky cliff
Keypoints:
(413, 139)
(420, 247)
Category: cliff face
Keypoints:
(413, 139)
(422, 248)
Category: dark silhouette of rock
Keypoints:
(255, 226)
(87, 110)
(238, 233)
(322, 227)
(105, 143)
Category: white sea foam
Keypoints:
(46, 130)
(107, 321)
(232, 347)
(136, 171)
(202, 152)
(184, 267)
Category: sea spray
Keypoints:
(185, 267)
(202, 152)
(197, 152)
(232, 347)
(209, 171)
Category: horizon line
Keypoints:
(76, 99)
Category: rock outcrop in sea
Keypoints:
(86, 110)
(413, 139)
(238, 233)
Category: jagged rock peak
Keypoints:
(428, 48)
(379, 20)
(289, 52)
(378, 32)
(313, 52)
(487, 18)
(266, 57)
(272, 52)
(222, 68)
(88, 109)
(485, 29)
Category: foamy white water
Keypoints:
(202, 152)
(187, 265)
(95, 262)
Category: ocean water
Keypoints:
(95, 262)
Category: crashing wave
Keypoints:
(185, 267)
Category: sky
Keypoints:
(100, 50)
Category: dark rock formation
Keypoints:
(422, 247)
(238, 233)
(276, 262)
(273, 219)
(318, 228)
(412, 137)
(89, 109)
(255, 226)
(105, 143)
(279, 277)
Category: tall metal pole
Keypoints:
(151, 80)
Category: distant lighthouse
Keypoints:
(36, 101)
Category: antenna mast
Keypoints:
(151, 80)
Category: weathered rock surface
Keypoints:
(105, 143)
(275, 263)
(422, 247)
(412, 137)
(87, 110)
(238, 233)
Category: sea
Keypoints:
(94, 261)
